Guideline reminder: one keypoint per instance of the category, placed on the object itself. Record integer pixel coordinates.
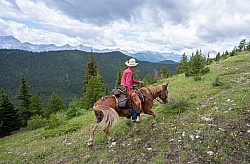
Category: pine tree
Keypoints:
(164, 72)
(24, 98)
(36, 106)
(217, 58)
(95, 89)
(197, 63)
(148, 79)
(55, 104)
(118, 78)
(183, 65)
(9, 117)
(155, 76)
(91, 70)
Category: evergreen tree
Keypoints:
(183, 65)
(95, 89)
(217, 58)
(24, 98)
(36, 107)
(242, 45)
(9, 117)
(118, 79)
(91, 70)
(248, 46)
(55, 104)
(164, 72)
(197, 63)
(155, 76)
(148, 79)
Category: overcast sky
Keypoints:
(176, 26)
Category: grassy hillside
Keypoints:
(201, 123)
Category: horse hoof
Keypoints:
(90, 143)
(111, 140)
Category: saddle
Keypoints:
(121, 95)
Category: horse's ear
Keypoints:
(165, 83)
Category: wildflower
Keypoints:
(191, 137)
(210, 152)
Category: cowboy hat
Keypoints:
(131, 62)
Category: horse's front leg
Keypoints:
(150, 112)
(92, 131)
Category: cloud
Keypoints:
(142, 25)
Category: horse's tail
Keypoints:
(105, 115)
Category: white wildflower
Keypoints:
(191, 137)
(206, 118)
(210, 152)
(216, 108)
(222, 129)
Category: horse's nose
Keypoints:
(166, 101)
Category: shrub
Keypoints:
(36, 122)
(217, 82)
(177, 106)
(73, 111)
(53, 122)
(197, 77)
(205, 70)
(64, 129)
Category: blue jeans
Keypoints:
(134, 114)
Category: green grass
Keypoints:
(201, 124)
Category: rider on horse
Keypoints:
(127, 81)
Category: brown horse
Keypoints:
(107, 111)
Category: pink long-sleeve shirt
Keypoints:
(128, 79)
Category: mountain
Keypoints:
(156, 56)
(63, 71)
(10, 42)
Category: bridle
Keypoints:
(161, 94)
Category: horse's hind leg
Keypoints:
(106, 131)
(92, 131)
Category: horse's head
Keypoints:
(164, 93)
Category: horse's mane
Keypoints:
(153, 89)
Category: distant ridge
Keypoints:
(10, 42)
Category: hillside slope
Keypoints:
(201, 124)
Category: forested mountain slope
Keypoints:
(62, 71)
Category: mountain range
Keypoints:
(10, 42)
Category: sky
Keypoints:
(167, 26)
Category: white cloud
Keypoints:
(162, 25)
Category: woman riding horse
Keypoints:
(107, 111)
(127, 81)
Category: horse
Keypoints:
(107, 111)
